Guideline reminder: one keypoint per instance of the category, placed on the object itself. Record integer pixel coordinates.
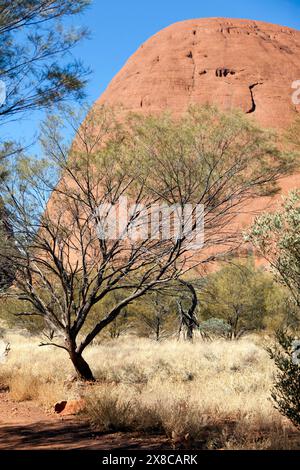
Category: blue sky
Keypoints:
(119, 27)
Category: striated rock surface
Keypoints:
(232, 63)
(250, 65)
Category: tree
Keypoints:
(32, 41)
(120, 325)
(277, 237)
(154, 314)
(36, 68)
(286, 391)
(69, 252)
(238, 294)
(159, 311)
(187, 314)
(6, 269)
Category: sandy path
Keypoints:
(26, 426)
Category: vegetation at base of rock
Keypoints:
(276, 236)
(246, 299)
(64, 268)
(286, 391)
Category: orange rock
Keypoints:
(232, 63)
(73, 407)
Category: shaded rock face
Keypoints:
(231, 63)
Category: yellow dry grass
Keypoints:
(217, 393)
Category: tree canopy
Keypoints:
(65, 266)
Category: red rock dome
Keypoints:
(231, 63)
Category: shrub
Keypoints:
(242, 296)
(113, 410)
(214, 327)
(286, 392)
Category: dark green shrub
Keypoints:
(286, 391)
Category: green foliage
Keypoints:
(242, 296)
(281, 308)
(215, 327)
(155, 315)
(277, 237)
(199, 150)
(10, 315)
(33, 41)
(286, 392)
(292, 135)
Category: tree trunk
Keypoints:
(82, 368)
(157, 331)
(190, 329)
(188, 318)
(235, 325)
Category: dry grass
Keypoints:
(34, 373)
(215, 393)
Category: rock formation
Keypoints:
(243, 64)
(230, 63)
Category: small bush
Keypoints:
(286, 392)
(215, 327)
(113, 410)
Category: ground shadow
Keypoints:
(62, 435)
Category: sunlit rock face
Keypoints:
(231, 63)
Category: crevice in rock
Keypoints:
(190, 55)
(193, 78)
(192, 86)
(285, 49)
(202, 72)
(253, 107)
(223, 72)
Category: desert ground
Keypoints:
(168, 395)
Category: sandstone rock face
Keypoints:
(231, 63)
